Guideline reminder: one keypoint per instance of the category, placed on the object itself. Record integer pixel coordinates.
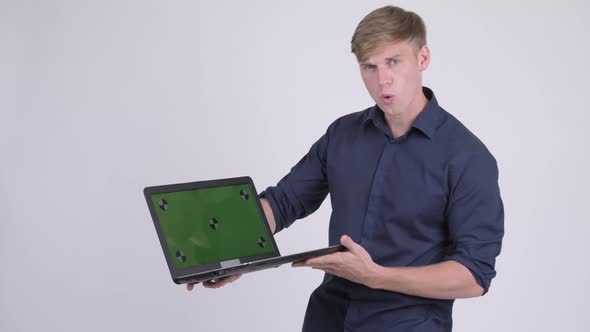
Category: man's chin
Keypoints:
(388, 109)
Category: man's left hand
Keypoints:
(355, 264)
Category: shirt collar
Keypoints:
(427, 121)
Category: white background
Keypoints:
(99, 99)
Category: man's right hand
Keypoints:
(216, 283)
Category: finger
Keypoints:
(322, 267)
(314, 261)
(233, 278)
(330, 271)
(216, 283)
(305, 264)
(326, 269)
(300, 264)
(190, 287)
(319, 267)
(325, 259)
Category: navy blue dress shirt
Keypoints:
(428, 196)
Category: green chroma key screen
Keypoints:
(211, 225)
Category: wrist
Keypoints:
(375, 277)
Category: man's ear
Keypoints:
(424, 57)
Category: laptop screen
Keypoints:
(211, 225)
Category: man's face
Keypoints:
(393, 77)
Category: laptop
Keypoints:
(216, 228)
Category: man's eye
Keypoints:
(394, 61)
(369, 67)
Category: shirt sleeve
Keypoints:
(302, 191)
(475, 215)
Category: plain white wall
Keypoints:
(101, 98)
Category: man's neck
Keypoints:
(400, 123)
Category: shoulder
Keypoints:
(350, 122)
(459, 139)
(465, 151)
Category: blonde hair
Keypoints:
(386, 25)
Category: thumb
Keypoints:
(350, 244)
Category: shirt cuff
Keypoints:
(481, 280)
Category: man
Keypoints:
(414, 194)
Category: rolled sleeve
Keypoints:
(475, 215)
(303, 190)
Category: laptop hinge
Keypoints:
(230, 263)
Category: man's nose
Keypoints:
(385, 76)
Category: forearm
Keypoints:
(446, 280)
(269, 214)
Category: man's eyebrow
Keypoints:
(386, 59)
(393, 57)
